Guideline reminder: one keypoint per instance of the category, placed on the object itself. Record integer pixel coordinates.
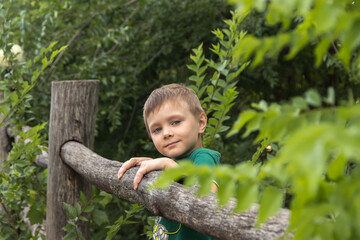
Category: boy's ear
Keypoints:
(202, 122)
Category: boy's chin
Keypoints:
(174, 155)
(178, 155)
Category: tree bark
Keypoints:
(72, 117)
(4, 139)
(174, 203)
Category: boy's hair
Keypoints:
(171, 92)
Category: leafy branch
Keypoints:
(123, 220)
(303, 23)
(21, 88)
(220, 90)
(76, 215)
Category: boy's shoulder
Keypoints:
(204, 151)
(202, 156)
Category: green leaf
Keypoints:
(201, 91)
(313, 98)
(35, 75)
(243, 118)
(84, 219)
(336, 168)
(299, 102)
(69, 228)
(62, 48)
(210, 90)
(271, 201)
(106, 198)
(227, 184)
(14, 97)
(202, 70)
(193, 78)
(83, 199)
(45, 63)
(205, 180)
(321, 49)
(223, 129)
(99, 217)
(51, 45)
(213, 121)
(247, 193)
(78, 209)
(70, 211)
(253, 125)
(172, 174)
(330, 99)
(88, 209)
(192, 67)
(190, 180)
(262, 105)
(35, 216)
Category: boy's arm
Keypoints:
(146, 165)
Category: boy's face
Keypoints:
(174, 130)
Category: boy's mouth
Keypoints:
(171, 144)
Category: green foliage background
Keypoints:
(289, 68)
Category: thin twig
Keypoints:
(78, 32)
(129, 3)
(334, 46)
(116, 44)
(130, 120)
(8, 216)
(107, 53)
(116, 105)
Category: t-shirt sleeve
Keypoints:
(205, 158)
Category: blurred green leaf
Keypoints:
(270, 203)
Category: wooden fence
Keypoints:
(73, 166)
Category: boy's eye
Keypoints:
(175, 122)
(156, 130)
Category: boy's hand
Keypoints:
(146, 165)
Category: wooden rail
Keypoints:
(174, 203)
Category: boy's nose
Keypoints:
(168, 133)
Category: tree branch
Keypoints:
(174, 203)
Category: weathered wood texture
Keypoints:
(175, 203)
(4, 139)
(72, 117)
(4, 145)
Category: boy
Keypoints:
(175, 121)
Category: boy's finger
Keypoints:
(125, 166)
(120, 174)
(122, 170)
(138, 177)
(131, 163)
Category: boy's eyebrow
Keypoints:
(172, 116)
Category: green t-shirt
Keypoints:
(170, 230)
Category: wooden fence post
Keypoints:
(72, 117)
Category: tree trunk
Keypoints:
(72, 117)
(174, 203)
